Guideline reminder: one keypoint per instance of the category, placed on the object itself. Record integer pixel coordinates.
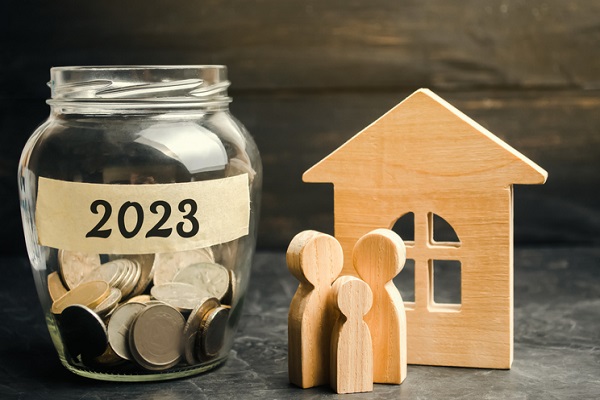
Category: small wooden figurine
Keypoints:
(316, 260)
(351, 346)
(378, 257)
(427, 159)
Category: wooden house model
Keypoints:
(427, 158)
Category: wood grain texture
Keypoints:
(312, 44)
(315, 259)
(351, 344)
(378, 257)
(426, 157)
(424, 135)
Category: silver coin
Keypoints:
(155, 338)
(119, 326)
(192, 328)
(167, 265)
(212, 328)
(132, 279)
(108, 304)
(153, 302)
(146, 263)
(83, 331)
(140, 298)
(210, 277)
(74, 266)
(121, 278)
(108, 272)
(182, 296)
(125, 279)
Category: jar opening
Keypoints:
(139, 86)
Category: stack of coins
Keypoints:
(154, 311)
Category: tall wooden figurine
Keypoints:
(316, 260)
(378, 257)
(351, 346)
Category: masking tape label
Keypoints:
(141, 219)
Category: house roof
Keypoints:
(425, 136)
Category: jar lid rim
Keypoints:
(136, 67)
(130, 83)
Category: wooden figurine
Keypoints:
(427, 158)
(378, 257)
(316, 260)
(351, 347)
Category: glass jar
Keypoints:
(140, 197)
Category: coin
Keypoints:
(109, 272)
(210, 277)
(74, 266)
(231, 294)
(83, 331)
(142, 298)
(212, 330)
(168, 264)
(119, 326)
(153, 302)
(108, 304)
(146, 262)
(55, 286)
(155, 337)
(107, 359)
(89, 294)
(119, 281)
(182, 296)
(125, 279)
(192, 328)
(131, 279)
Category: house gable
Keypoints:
(425, 138)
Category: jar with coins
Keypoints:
(139, 199)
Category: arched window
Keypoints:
(441, 232)
(405, 227)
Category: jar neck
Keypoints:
(139, 90)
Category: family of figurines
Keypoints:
(345, 330)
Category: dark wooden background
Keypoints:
(307, 75)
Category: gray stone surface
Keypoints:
(557, 343)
